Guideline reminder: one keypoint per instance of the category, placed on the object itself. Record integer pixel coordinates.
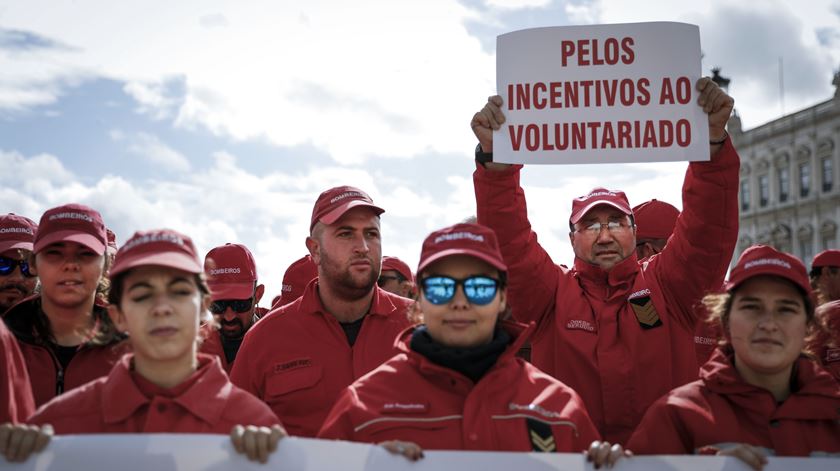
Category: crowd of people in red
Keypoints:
(641, 346)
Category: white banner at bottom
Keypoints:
(176, 452)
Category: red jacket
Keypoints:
(720, 409)
(124, 402)
(411, 398)
(827, 344)
(16, 402)
(620, 338)
(212, 345)
(297, 358)
(47, 376)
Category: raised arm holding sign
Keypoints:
(618, 331)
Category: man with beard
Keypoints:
(300, 356)
(17, 234)
(232, 277)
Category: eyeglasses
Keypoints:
(384, 279)
(238, 305)
(479, 290)
(7, 266)
(614, 227)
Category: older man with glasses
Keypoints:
(17, 234)
(232, 277)
(618, 330)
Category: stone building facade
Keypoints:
(789, 189)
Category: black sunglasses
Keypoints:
(7, 266)
(238, 305)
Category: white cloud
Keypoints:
(149, 147)
(517, 4)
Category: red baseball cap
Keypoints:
(765, 260)
(655, 219)
(582, 204)
(297, 276)
(231, 272)
(827, 258)
(16, 232)
(159, 247)
(71, 223)
(462, 239)
(393, 263)
(333, 203)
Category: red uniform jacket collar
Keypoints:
(311, 302)
(605, 284)
(817, 394)
(520, 333)
(121, 397)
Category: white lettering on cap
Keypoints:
(16, 230)
(459, 235)
(148, 238)
(81, 216)
(599, 193)
(767, 261)
(225, 271)
(348, 194)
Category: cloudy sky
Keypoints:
(225, 120)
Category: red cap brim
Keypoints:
(335, 214)
(88, 240)
(231, 291)
(473, 253)
(178, 261)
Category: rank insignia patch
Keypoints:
(542, 440)
(645, 312)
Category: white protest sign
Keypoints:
(600, 94)
(173, 452)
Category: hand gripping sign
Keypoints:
(600, 94)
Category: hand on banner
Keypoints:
(483, 124)
(717, 104)
(410, 450)
(752, 456)
(17, 442)
(604, 454)
(256, 442)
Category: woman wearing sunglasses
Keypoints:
(159, 297)
(457, 383)
(66, 338)
(757, 395)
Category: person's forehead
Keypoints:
(362, 216)
(602, 211)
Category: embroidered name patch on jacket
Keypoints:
(644, 310)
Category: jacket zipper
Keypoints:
(59, 381)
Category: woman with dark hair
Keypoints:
(159, 297)
(758, 395)
(458, 384)
(65, 336)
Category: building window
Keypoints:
(784, 184)
(763, 190)
(829, 242)
(827, 174)
(806, 248)
(745, 195)
(804, 179)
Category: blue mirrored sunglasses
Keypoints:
(479, 290)
(7, 266)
